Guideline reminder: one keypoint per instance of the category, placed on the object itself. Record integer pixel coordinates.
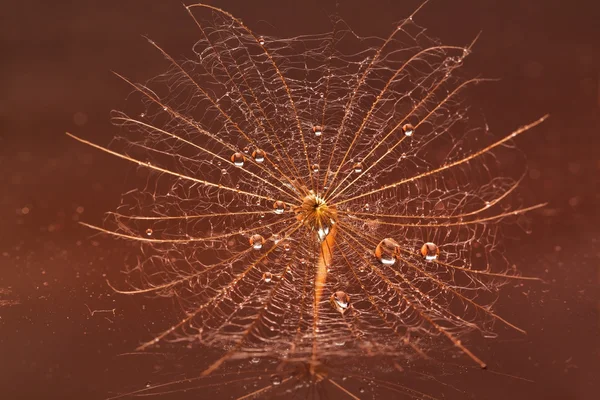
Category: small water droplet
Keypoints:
(340, 301)
(149, 232)
(257, 241)
(317, 130)
(430, 251)
(254, 360)
(276, 380)
(267, 277)
(387, 251)
(408, 129)
(258, 155)
(357, 167)
(261, 40)
(315, 168)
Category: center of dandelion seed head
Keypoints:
(316, 215)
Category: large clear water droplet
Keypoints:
(238, 159)
(340, 301)
(257, 241)
(279, 207)
(386, 251)
(258, 155)
(430, 251)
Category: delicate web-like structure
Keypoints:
(317, 196)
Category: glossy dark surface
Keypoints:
(56, 75)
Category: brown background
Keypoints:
(55, 63)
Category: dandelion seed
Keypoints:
(350, 209)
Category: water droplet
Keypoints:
(149, 232)
(247, 149)
(279, 207)
(362, 390)
(317, 130)
(238, 159)
(357, 167)
(315, 168)
(258, 155)
(386, 251)
(261, 40)
(408, 129)
(267, 277)
(224, 171)
(430, 251)
(340, 301)
(257, 241)
(254, 360)
(287, 247)
(276, 380)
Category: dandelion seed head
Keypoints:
(301, 195)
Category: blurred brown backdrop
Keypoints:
(55, 75)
